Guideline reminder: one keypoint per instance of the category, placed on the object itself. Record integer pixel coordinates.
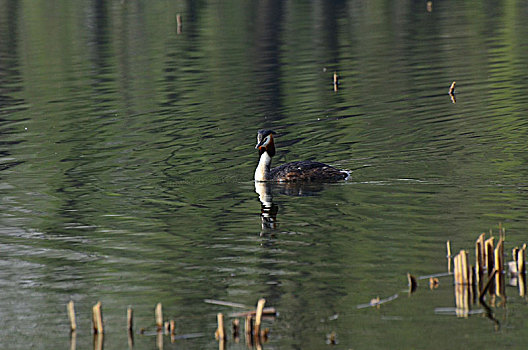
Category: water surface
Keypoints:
(127, 158)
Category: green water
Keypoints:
(127, 156)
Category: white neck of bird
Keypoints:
(263, 167)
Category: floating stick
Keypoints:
(258, 318)
(97, 318)
(71, 316)
(267, 311)
(159, 316)
(130, 319)
(220, 330)
(487, 285)
(226, 303)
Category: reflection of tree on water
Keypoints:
(269, 210)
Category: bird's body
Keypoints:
(291, 172)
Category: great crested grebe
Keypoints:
(305, 170)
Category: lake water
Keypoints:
(127, 157)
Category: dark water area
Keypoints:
(127, 159)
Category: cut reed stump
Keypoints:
(97, 318)
(480, 259)
(258, 317)
(220, 331)
(448, 256)
(521, 270)
(236, 329)
(130, 319)
(179, 23)
(248, 329)
(521, 255)
(172, 328)
(71, 315)
(462, 270)
(452, 88)
(413, 284)
(500, 287)
(159, 317)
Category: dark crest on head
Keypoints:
(264, 146)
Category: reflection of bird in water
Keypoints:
(291, 172)
(268, 210)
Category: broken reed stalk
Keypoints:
(159, 316)
(489, 247)
(499, 267)
(521, 255)
(97, 318)
(236, 327)
(248, 327)
(130, 319)
(220, 331)
(448, 247)
(71, 315)
(479, 258)
(258, 317)
(267, 311)
(336, 81)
